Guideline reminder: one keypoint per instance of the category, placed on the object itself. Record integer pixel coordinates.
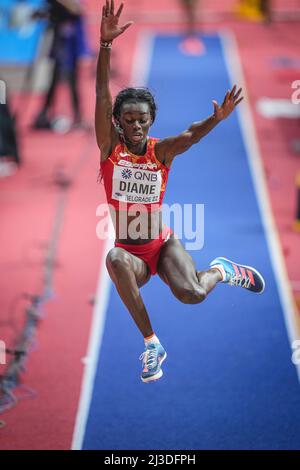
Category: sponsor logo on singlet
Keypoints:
(141, 166)
(136, 185)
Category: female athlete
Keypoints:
(134, 169)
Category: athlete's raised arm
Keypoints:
(106, 133)
(168, 148)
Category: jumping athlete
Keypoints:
(134, 169)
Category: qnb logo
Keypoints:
(126, 174)
(296, 353)
(296, 94)
(2, 352)
(2, 92)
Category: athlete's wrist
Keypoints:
(105, 43)
(217, 119)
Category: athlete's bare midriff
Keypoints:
(138, 229)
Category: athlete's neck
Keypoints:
(137, 149)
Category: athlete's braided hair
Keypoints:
(136, 95)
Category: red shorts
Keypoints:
(149, 252)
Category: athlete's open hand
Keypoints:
(231, 100)
(110, 28)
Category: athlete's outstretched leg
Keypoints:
(176, 267)
(128, 274)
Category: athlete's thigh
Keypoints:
(141, 270)
(176, 266)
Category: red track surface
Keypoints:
(28, 203)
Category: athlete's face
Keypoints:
(135, 120)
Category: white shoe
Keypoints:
(7, 168)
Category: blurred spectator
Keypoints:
(9, 154)
(265, 7)
(21, 14)
(190, 7)
(192, 44)
(65, 18)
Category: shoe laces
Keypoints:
(149, 357)
(240, 281)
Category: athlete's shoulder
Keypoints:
(153, 140)
(117, 149)
(155, 152)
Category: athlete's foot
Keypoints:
(239, 275)
(152, 358)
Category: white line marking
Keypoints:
(93, 352)
(142, 59)
(236, 75)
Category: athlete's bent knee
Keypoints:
(117, 260)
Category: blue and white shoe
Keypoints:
(239, 275)
(152, 358)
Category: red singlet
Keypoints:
(134, 179)
(137, 180)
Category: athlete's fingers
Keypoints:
(241, 99)
(103, 11)
(126, 25)
(106, 7)
(112, 7)
(232, 91)
(216, 106)
(120, 10)
(237, 94)
(226, 97)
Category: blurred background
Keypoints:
(49, 161)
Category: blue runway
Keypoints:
(228, 382)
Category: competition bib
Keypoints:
(134, 185)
